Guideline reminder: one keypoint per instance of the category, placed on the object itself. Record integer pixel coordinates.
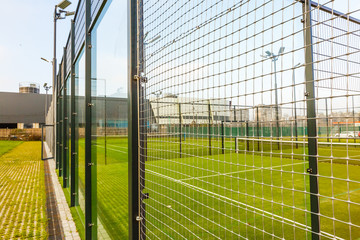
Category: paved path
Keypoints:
(67, 223)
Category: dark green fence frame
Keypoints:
(134, 87)
(67, 73)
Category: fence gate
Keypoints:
(245, 119)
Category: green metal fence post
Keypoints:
(133, 125)
(74, 198)
(61, 121)
(90, 161)
(65, 130)
(311, 121)
(57, 127)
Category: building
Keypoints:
(18, 110)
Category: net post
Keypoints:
(311, 121)
(353, 116)
(209, 129)
(258, 127)
(180, 130)
(236, 144)
(223, 137)
(327, 120)
(247, 135)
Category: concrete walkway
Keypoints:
(68, 225)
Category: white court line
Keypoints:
(249, 170)
(116, 146)
(220, 174)
(116, 150)
(271, 215)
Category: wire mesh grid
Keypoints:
(248, 120)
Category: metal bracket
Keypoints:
(145, 196)
(91, 164)
(74, 113)
(309, 170)
(74, 194)
(74, 153)
(66, 148)
(306, 94)
(141, 79)
(138, 218)
(90, 225)
(90, 104)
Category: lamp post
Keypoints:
(157, 94)
(294, 92)
(59, 14)
(274, 58)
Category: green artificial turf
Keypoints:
(6, 146)
(22, 192)
(253, 194)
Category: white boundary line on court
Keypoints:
(240, 203)
(249, 170)
(116, 150)
(300, 142)
(221, 174)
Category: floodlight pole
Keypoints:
(57, 15)
(296, 126)
(274, 58)
(54, 56)
(276, 104)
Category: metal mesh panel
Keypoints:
(79, 27)
(247, 120)
(68, 56)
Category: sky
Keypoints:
(26, 36)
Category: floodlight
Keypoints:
(154, 39)
(45, 84)
(145, 35)
(268, 53)
(44, 59)
(281, 50)
(64, 4)
(297, 65)
(69, 13)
